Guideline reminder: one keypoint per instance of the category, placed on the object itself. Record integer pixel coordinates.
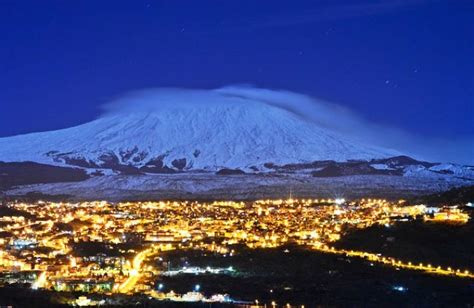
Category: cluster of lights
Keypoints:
(169, 225)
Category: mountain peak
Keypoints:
(190, 129)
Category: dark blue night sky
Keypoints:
(407, 64)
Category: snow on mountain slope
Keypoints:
(219, 129)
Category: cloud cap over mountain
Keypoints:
(332, 116)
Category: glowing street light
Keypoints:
(340, 201)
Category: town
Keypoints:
(115, 248)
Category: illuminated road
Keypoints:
(132, 280)
(427, 268)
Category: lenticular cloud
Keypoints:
(325, 114)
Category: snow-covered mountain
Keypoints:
(219, 129)
(210, 141)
